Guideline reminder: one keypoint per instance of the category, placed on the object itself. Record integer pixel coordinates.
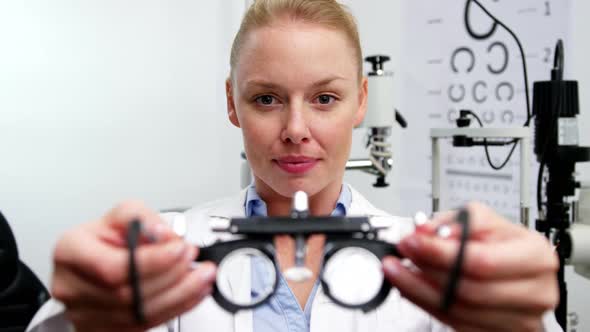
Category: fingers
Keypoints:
(91, 275)
(414, 286)
(483, 222)
(533, 295)
(186, 294)
(71, 288)
(108, 265)
(93, 319)
(181, 297)
(90, 257)
(164, 297)
(508, 276)
(420, 292)
(160, 282)
(120, 217)
(440, 218)
(73, 291)
(155, 283)
(156, 259)
(482, 260)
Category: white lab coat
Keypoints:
(395, 314)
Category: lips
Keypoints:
(296, 164)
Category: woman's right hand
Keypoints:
(91, 264)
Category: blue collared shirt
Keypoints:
(282, 313)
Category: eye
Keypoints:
(266, 100)
(325, 99)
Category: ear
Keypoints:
(231, 106)
(363, 95)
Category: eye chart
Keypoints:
(443, 70)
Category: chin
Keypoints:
(289, 187)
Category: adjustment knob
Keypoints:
(377, 61)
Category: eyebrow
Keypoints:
(271, 85)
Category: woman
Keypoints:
(296, 90)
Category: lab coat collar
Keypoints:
(234, 207)
(322, 306)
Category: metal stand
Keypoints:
(522, 134)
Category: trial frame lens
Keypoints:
(257, 259)
(340, 273)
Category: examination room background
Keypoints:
(102, 101)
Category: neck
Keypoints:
(320, 204)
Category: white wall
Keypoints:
(102, 101)
(379, 28)
(106, 100)
(380, 32)
(579, 69)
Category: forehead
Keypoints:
(296, 52)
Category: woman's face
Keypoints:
(297, 96)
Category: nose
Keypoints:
(296, 127)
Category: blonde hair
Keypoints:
(328, 13)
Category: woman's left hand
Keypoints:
(507, 282)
